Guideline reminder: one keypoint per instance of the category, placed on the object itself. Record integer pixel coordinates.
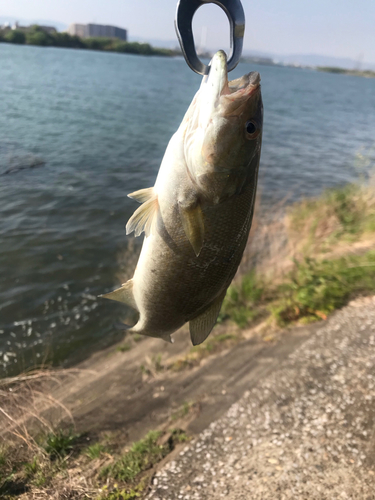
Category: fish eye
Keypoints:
(251, 127)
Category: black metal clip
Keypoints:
(183, 24)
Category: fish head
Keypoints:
(223, 131)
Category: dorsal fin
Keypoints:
(193, 224)
(201, 327)
(123, 294)
(144, 217)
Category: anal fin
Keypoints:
(123, 294)
(201, 327)
(144, 217)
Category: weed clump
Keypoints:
(131, 468)
(141, 456)
(95, 451)
(309, 292)
(316, 288)
(60, 443)
(124, 347)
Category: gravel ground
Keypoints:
(307, 431)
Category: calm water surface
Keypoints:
(101, 123)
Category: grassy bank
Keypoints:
(328, 257)
(39, 459)
(62, 464)
(35, 35)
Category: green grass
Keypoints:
(316, 288)
(183, 411)
(133, 493)
(242, 299)
(95, 451)
(157, 362)
(5, 473)
(124, 347)
(3, 457)
(141, 456)
(313, 289)
(35, 472)
(179, 436)
(133, 468)
(60, 443)
(345, 213)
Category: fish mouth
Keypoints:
(218, 82)
(220, 96)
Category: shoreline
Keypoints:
(37, 36)
(350, 72)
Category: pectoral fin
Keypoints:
(123, 294)
(144, 217)
(201, 327)
(193, 224)
(142, 195)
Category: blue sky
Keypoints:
(339, 28)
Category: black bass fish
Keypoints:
(197, 216)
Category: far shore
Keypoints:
(35, 35)
(343, 71)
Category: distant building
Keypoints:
(48, 29)
(80, 30)
(97, 30)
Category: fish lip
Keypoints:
(245, 86)
(217, 79)
(213, 87)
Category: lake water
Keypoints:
(101, 123)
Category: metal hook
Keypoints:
(183, 24)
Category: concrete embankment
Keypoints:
(304, 430)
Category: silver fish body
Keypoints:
(198, 215)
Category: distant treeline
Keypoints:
(343, 71)
(35, 35)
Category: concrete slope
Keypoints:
(303, 430)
